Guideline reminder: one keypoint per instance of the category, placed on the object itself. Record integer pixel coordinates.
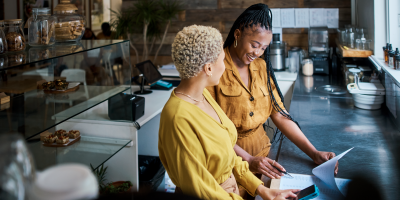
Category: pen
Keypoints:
(283, 172)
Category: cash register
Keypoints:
(130, 107)
(318, 49)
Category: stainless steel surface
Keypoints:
(332, 89)
(332, 123)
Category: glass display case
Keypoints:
(101, 69)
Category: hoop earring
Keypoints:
(235, 44)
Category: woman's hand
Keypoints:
(322, 156)
(275, 194)
(263, 165)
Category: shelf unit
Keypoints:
(104, 70)
(352, 53)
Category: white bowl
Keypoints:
(62, 182)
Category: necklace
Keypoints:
(190, 97)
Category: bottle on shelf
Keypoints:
(391, 59)
(386, 53)
(397, 62)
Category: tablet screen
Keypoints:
(149, 71)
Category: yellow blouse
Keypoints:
(247, 107)
(197, 151)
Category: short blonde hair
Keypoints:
(194, 47)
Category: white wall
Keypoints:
(394, 29)
(370, 14)
(380, 27)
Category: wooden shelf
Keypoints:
(353, 53)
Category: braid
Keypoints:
(260, 14)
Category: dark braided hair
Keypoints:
(259, 14)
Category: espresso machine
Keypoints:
(318, 49)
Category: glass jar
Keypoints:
(69, 26)
(350, 75)
(41, 28)
(308, 67)
(3, 41)
(14, 35)
(350, 38)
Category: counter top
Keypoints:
(280, 76)
(332, 123)
(154, 103)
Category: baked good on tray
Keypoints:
(61, 85)
(50, 139)
(48, 85)
(60, 133)
(44, 134)
(73, 134)
(62, 140)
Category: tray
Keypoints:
(71, 142)
(73, 86)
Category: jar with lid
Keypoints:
(308, 67)
(391, 57)
(351, 74)
(69, 26)
(3, 41)
(41, 28)
(14, 35)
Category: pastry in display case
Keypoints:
(50, 139)
(62, 140)
(70, 26)
(44, 135)
(73, 134)
(60, 133)
(61, 84)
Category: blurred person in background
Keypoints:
(89, 35)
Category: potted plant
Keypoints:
(147, 17)
(111, 187)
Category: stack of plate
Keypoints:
(368, 96)
(369, 102)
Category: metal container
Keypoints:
(277, 55)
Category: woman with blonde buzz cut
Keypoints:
(196, 138)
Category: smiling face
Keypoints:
(251, 44)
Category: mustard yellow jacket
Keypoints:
(197, 151)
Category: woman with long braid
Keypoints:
(249, 94)
(196, 138)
